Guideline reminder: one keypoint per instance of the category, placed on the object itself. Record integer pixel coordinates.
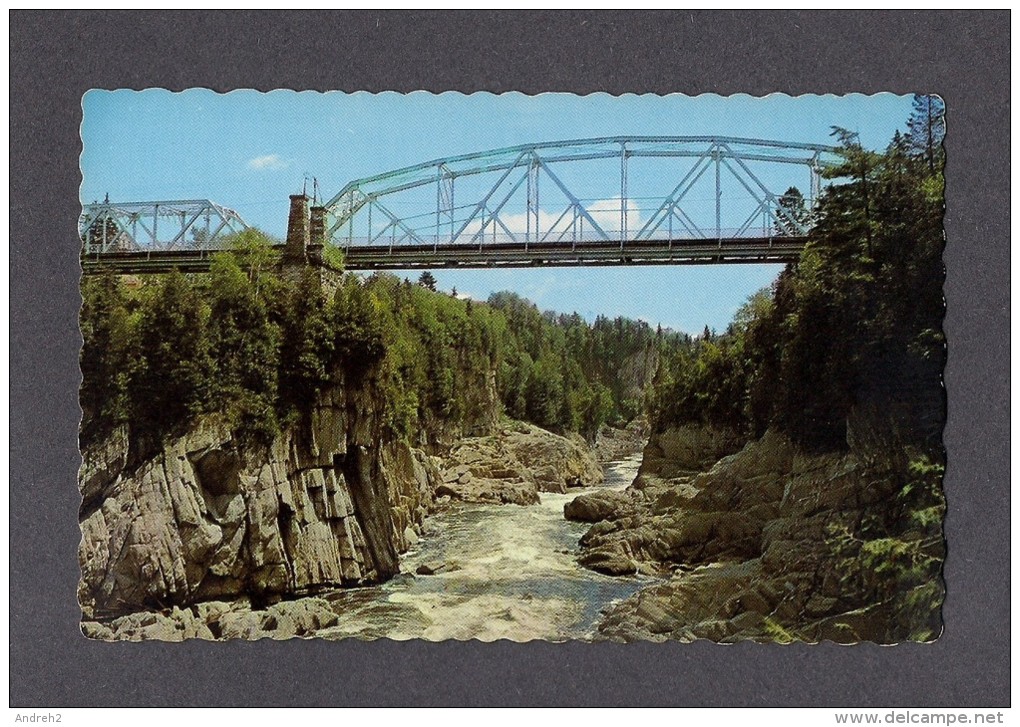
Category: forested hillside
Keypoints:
(854, 325)
(255, 347)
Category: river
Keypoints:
(503, 572)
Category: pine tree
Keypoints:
(792, 213)
(927, 128)
(175, 375)
(427, 280)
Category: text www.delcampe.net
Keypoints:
(907, 717)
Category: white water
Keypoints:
(513, 575)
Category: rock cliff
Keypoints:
(331, 502)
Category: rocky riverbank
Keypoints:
(615, 443)
(764, 545)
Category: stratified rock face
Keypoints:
(515, 464)
(687, 449)
(751, 549)
(329, 504)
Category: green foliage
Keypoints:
(792, 215)
(306, 348)
(173, 378)
(926, 130)
(108, 355)
(254, 251)
(256, 349)
(427, 280)
(244, 341)
(894, 555)
(333, 257)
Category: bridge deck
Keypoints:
(404, 257)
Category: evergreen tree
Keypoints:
(107, 357)
(926, 129)
(427, 280)
(792, 213)
(174, 377)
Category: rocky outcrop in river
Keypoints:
(616, 443)
(515, 464)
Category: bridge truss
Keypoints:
(651, 196)
(176, 225)
(608, 201)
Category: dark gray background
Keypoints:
(55, 57)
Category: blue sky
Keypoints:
(249, 151)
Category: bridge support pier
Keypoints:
(306, 236)
(295, 251)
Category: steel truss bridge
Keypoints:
(606, 201)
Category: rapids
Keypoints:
(501, 572)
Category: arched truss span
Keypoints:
(615, 189)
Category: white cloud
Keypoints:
(272, 162)
(518, 223)
(605, 212)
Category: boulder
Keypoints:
(599, 505)
(611, 561)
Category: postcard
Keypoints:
(554, 367)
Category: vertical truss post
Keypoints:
(718, 194)
(532, 204)
(623, 193)
(350, 226)
(439, 202)
(573, 229)
(527, 211)
(537, 206)
(816, 182)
